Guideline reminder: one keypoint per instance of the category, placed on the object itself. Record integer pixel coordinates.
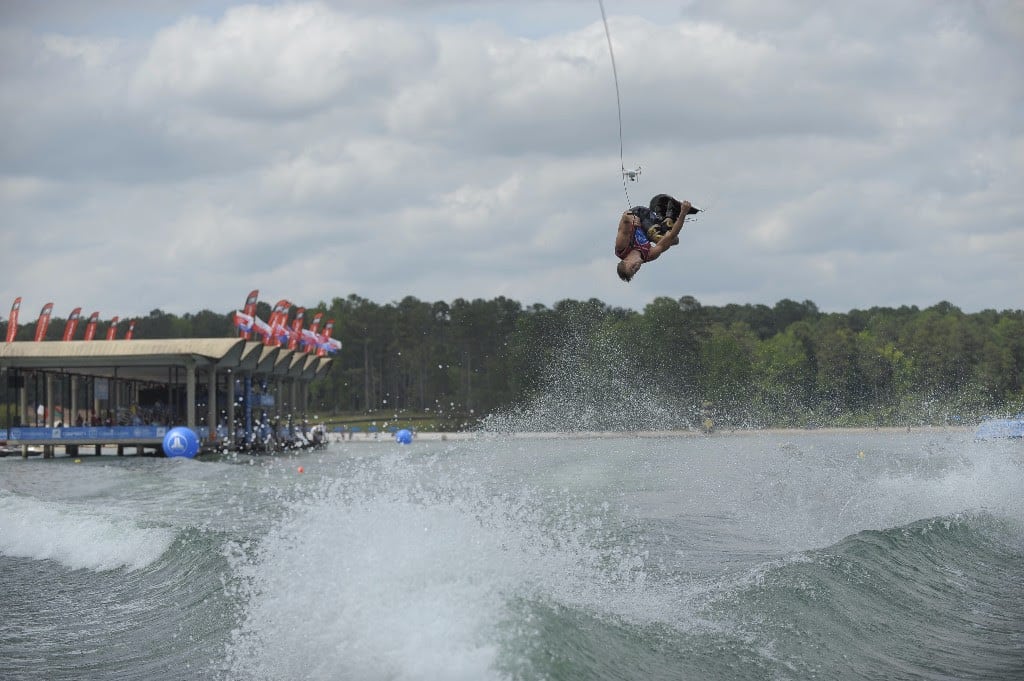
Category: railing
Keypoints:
(78, 435)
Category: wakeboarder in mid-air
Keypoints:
(646, 232)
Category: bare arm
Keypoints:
(665, 242)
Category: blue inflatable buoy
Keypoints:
(404, 436)
(181, 441)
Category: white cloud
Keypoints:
(845, 153)
(279, 62)
(92, 54)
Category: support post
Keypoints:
(96, 400)
(190, 394)
(48, 421)
(74, 400)
(23, 406)
(211, 405)
(248, 406)
(231, 409)
(113, 401)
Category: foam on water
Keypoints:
(806, 500)
(76, 537)
(413, 567)
(980, 477)
(399, 582)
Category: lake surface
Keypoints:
(832, 555)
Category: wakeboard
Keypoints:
(664, 210)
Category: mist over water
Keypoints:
(595, 383)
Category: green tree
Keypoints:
(727, 360)
(786, 377)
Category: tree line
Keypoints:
(585, 364)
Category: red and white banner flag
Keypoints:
(328, 345)
(72, 325)
(250, 311)
(12, 323)
(278, 318)
(293, 339)
(112, 329)
(315, 326)
(90, 327)
(43, 323)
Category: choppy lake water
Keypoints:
(750, 556)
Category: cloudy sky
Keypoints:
(176, 155)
